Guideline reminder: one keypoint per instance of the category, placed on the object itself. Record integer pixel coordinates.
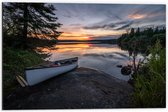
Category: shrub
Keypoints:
(150, 87)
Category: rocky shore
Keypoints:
(82, 88)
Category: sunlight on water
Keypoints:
(103, 57)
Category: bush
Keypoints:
(150, 87)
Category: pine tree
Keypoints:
(33, 19)
(156, 30)
(132, 32)
(138, 32)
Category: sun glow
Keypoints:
(73, 36)
(84, 38)
(88, 34)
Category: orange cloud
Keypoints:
(137, 16)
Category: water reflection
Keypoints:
(103, 57)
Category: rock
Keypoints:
(81, 88)
(126, 70)
(119, 66)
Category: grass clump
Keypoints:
(14, 63)
(150, 85)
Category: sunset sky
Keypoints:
(104, 21)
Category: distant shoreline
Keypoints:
(110, 41)
(59, 43)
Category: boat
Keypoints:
(37, 74)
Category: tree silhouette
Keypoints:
(132, 32)
(31, 20)
(156, 30)
(137, 32)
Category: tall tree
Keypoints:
(33, 20)
(132, 32)
(156, 30)
(137, 32)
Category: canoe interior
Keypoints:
(57, 63)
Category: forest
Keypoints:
(140, 41)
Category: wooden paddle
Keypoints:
(21, 81)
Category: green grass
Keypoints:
(150, 86)
(14, 63)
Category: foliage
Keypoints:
(150, 82)
(29, 19)
(36, 42)
(21, 22)
(14, 63)
(148, 78)
(139, 41)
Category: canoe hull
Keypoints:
(36, 76)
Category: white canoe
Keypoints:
(35, 75)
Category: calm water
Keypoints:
(103, 57)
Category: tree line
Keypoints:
(139, 40)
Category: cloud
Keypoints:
(137, 16)
(128, 24)
(111, 26)
(111, 15)
(105, 26)
(147, 12)
(105, 37)
(111, 18)
(76, 24)
(75, 34)
(67, 16)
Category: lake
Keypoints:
(102, 57)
